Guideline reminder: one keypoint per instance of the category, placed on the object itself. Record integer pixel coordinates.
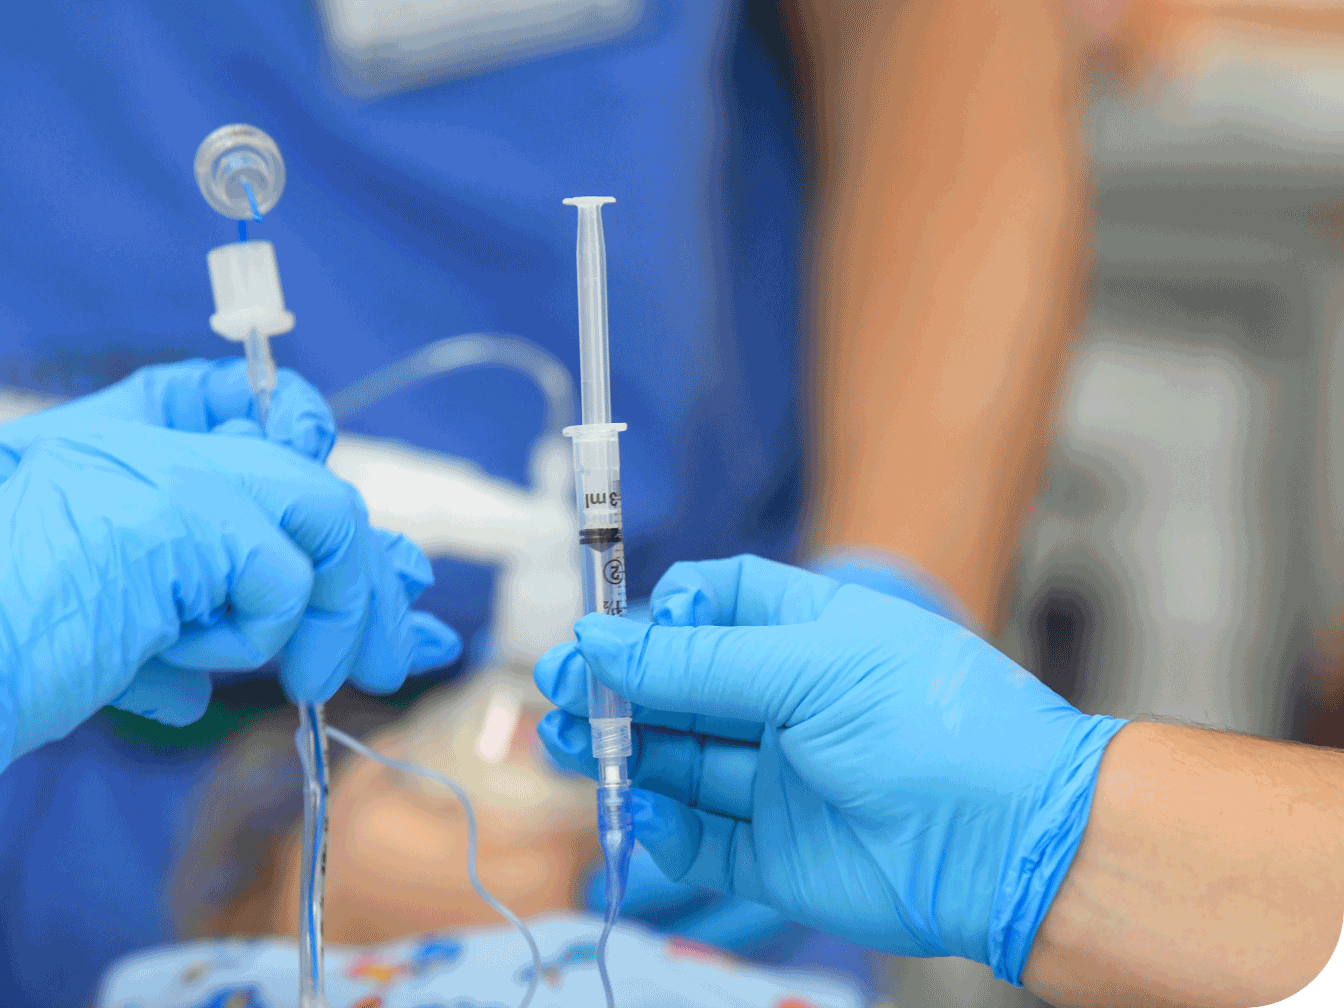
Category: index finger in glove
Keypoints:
(359, 624)
(562, 676)
(699, 848)
(334, 531)
(298, 418)
(742, 591)
(195, 396)
(758, 674)
(700, 772)
(174, 696)
(269, 584)
(398, 640)
(326, 519)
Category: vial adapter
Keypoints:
(240, 171)
(246, 284)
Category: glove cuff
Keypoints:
(1051, 837)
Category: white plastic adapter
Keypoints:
(246, 282)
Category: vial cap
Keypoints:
(237, 154)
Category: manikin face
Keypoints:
(396, 851)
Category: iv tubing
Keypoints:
(311, 743)
(597, 485)
(260, 373)
(312, 748)
(454, 353)
(481, 891)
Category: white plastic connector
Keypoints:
(246, 282)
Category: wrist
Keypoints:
(1054, 817)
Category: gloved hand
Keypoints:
(195, 395)
(138, 559)
(863, 766)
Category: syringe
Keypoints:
(241, 174)
(597, 487)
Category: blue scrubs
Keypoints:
(405, 220)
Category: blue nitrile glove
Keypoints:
(195, 395)
(691, 911)
(138, 559)
(864, 766)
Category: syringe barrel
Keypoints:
(597, 490)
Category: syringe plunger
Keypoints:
(594, 364)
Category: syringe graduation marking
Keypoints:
(599, 538)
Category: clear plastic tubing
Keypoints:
(311, 740)
(537, 968)
(597, 487)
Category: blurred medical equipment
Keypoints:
(450, 508)
(381, 48)
(480, 729)
(241, 174)
(597, 489)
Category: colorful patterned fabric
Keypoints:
(482, 968)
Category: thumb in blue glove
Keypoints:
(865, 767)
(139, 559)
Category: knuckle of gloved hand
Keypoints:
(152, 371)
(301, 582)
(353, 501)
(48, 447)
(291, 382)
(62, 449)
(153, 376)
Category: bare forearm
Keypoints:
(950, 204)
(1211, 875)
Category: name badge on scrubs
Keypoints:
(385, 46)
